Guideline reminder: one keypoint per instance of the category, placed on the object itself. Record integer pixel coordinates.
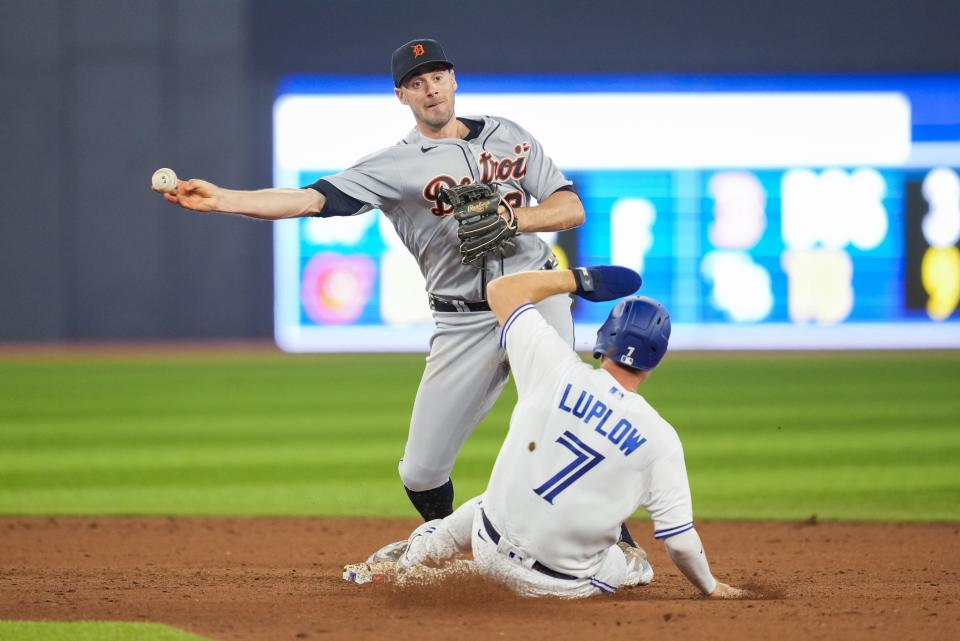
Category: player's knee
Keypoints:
(419, 478)
(613, 570)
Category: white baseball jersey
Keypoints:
(582, 454)
(404, 181)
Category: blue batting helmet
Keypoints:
(635, 334)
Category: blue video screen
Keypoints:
(792, 212)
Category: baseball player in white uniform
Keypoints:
(466, 369)
(583, 452)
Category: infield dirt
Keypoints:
(279, 579)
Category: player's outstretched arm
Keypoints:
(507, 293)
(265, 204)
(604, 282)
(561, 210)
(686, 552)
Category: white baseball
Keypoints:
(164, 180)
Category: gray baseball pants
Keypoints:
(464, 374)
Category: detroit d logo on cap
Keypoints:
(417, 50)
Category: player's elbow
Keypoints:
(312, 202)
(495, 291)
(578, 216)
(574, 212)
(498, 297)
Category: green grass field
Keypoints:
(841, 435)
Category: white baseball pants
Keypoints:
(438, 542)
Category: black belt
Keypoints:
(439, 304)
(539, 567)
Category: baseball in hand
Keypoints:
(164, 180)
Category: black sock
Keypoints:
(433, 504)
(625, 536)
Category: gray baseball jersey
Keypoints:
(466, 369)
(404, 182)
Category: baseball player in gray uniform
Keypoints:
(466, 368)
(583, 452)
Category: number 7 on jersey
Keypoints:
(586, 459)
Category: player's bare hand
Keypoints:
(195, 194)
(724, 591)
(509, 215)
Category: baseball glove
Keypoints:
(482, 229)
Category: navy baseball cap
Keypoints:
(415, 54)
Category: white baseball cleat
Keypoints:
(389, 552)
(639, 570)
